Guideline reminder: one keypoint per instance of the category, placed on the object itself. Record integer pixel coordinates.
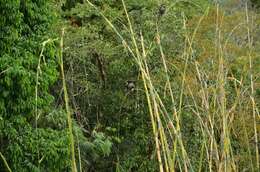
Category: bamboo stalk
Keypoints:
(66, 99)
(5, 162)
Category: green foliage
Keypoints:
(70, 4)
(28, 147)
(256, 3)
(112, 127)
(9, 24)
(35, 149)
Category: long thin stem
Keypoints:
(252, 88)
(5, 162)
(66, 99)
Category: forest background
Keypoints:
(134, 85)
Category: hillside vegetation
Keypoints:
(129, 86)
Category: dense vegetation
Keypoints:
(146, 85)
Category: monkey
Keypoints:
(130, 85)
(162, 10)
(75, 21)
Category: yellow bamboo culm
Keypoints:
(5, 162)
(66, 99)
